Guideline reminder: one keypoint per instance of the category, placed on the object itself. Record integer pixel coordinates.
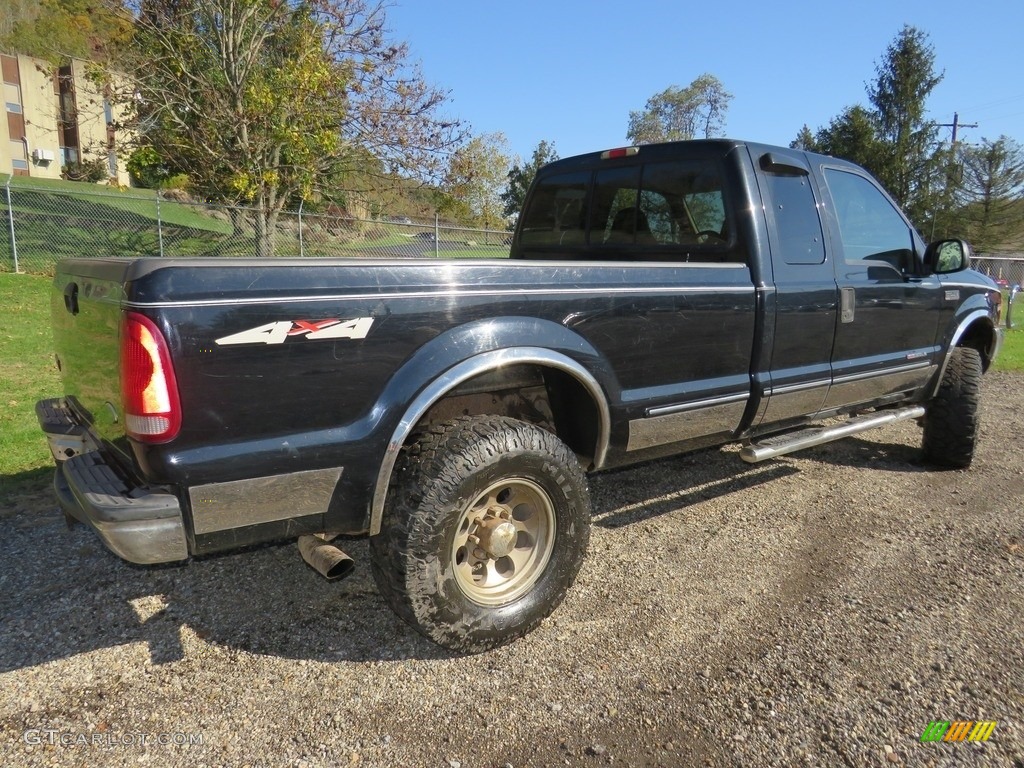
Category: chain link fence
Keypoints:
(1008, 271)
(45, 221)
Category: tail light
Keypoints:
(149, 391)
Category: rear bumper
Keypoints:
(141, 525)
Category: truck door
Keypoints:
(805, 296)
(885, 340)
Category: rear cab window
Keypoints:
(645, 207)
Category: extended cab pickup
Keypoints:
(658, 299)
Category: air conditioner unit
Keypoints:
(43, 155)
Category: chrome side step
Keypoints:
(780, 445)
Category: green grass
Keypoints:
(56, 219)
(140, 202)
(1011, 358)
(477, 253)
(27, 374)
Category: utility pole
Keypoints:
(957, 124)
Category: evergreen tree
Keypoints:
(852, 136)
(992, 192)
(908, 165)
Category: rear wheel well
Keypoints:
(547, 397)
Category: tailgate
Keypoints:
(86, 305)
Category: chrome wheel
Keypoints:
(503, 541)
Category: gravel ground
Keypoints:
(819, 609)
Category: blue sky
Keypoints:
(570, 71)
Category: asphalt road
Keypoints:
(821, 609)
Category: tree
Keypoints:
(909, 167)
(852, 136)
(677, 114)
(992, 191)
(521, 176)
(260, 101)
(805, 140)
(892, 139)
(57, 30)
(472, 186)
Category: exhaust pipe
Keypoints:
(325, 558)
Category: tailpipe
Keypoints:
(325, 558)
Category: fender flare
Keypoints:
(466, 370)
(978, 315)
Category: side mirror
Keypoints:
(946, 256)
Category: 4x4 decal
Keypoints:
(315, 330)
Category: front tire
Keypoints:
(951, 423)
(485, 528)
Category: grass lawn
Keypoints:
(1012, 356)
(27, 374)
(482, 252)
(140, 202)
(54, 219)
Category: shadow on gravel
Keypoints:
(870, 454)
(63, 594)
(720, 476)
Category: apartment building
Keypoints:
(55, 116)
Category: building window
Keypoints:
(12, 97)
(108, 111)
(112, 164)
(19, 159)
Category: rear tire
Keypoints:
(485, 528)
(951, 424)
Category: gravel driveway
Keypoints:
(820, 609)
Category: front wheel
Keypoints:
(485, 528)
(951, 423)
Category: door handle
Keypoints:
(847, 304)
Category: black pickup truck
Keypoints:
(658, 299)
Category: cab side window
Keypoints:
(797, 225)
(870, 227)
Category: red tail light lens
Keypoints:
(611, 154)
(148, 389)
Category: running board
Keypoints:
(774, 447)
